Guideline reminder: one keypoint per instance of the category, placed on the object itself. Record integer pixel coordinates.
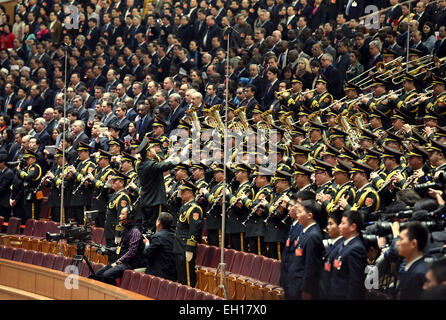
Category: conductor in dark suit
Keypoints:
(6, 177)
(347, 279)
(158, 251)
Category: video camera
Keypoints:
(438, 184)
(73, 233)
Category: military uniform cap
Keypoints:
(431, 114)
(322, 165)
(153, 141)
(242, 167)
(297, 130)
(118, 175)
(352, 86)
(337, 133)
(342, 166)
(393, 137)
(134, 143)
(279, 129)
(184, 166)
(300, 150)
(104, 154)
(415, 52)
(440, 132)
(437, 80)
(398, 114)
(388, 53)
(330, 150)
(377, 114)
(200, 165)
(59, 152)
(304, 111)
(407, 76)
(28, 153)
(360, 167)
(143, 145)
(115, 141)
(391, 153)
(436, 146)
(159, 123)
(346, 153)
(297, 79)
(315, 126)
(300, 169)
(372, 154)
(127, 157)
(416, 137)
(332, 112)
(219, 167)
(282, 175)
(367, 134)
(187, 185)
(82, 146)
(114, 126)
(183, 124)
(284, 167)
(323, 78)
(380, 82)
(418, 151)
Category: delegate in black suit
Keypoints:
(6, 178)
(411, 281)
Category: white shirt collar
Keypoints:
(349, 239)
(407, 267)
(306, 228)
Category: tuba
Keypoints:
(192, 113)
(353, 134)
(241, 114)
(214, 119)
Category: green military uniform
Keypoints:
(213, 215)
(187, 237)
(236, 215)
(30, 177)
(55, 185)
(367, 200)
(100, 192)
(81, 199)
(118, 201)
(276, 225)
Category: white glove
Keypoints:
(184, 154)
(189, 256)
(227, 193)
(173, 158)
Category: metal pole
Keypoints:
(408, 40)
(63, 152)
(222, 266)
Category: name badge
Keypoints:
(296, 242)
(299, 252)
(327, 266)
(337, 264)
(287, 243)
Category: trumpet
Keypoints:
(283, 94)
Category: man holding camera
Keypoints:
(158, 251)
(130, 246)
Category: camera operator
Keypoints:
(158, 252)
(129, 251)
(412, 240)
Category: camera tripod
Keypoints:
(79, 257)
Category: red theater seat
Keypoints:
(144, 286)
(126, 278)
(135, 281)
(181, 293)
(38, 258)
(162, 293)
(19, 254)
(172, 290)
(48, 260)
(154, 288)
(59, 263)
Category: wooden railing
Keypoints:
(24, 281)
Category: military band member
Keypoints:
(376, 119)
(302, 179)
(276, 228)
(437, 157)
(337, 138)
(323, 177)
(403, 102)
(181, 172)
(379, 99)
(128, 168)
(255, 228)
(352, 92)
(30, 176)
(236, 212)
(159, 127)
(150, 173)
(367, 200)
(373, 160)
(213, 198)
(322, 98)
(115, 146)
(316, 142)
(187, 235)
(118, 201)
(418, 171)
(99, 180)
(55, 180)
(437, 102)
(78, 178)
(330, 155)
(366, 142)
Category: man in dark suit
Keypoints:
(41, 133)
(37, 103)
(158, 251)
(177, 112)
(92, 34)
(122, 121)
(250, 101)
(375, 54)
(10, 101)
(200, 25)
(117, 30)
(271, 87)
(417, 44)
(6, 178)
(391, 44)
(412, 240)
(144, 124)
(211, 95)
(305, 265)
(319, 15)
(421, 14)
(343, 61)
(347, 280)
(394, 13)
(47, 94)
(78, 134)
(440, 45)
(212, 30)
